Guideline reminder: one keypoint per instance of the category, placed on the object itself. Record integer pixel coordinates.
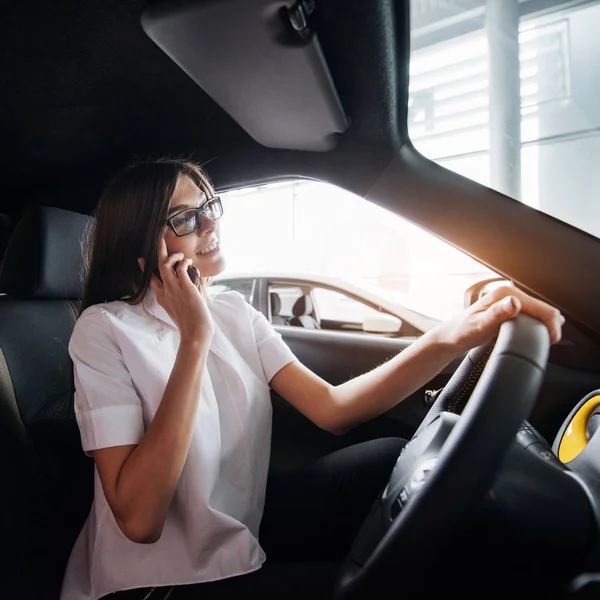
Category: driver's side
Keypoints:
(49, 437)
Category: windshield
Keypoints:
(348, 241)
(504, 92)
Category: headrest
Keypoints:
(302, 306)
(43, 258)
(275, 303)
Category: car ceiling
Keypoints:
(84, 91)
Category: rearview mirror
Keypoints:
(382, 323)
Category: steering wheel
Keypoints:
(450, 462)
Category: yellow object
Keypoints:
(574, 439)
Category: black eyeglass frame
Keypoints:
(201, 210)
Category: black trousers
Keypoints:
(311, 516)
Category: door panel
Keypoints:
(337, 357)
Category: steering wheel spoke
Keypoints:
(414, 467)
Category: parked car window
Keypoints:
(334, 306)
(288, 294)
(244, 286)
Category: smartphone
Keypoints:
(194, 275)
(192, 271)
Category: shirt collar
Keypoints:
(219, 346)
(151, 304)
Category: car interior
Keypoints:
(302, 312)
(498, 491)
(275, 306)
(333, 308)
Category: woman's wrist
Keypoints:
(194, 344)
(443, 342)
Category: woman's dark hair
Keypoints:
(128, 224)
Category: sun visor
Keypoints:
(259, 60)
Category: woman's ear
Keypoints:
(142, 263)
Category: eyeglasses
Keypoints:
(189, 220)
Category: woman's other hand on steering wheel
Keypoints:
(482, 320)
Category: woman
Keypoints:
(172, 396)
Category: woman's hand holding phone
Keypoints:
(181, 297)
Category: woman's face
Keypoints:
(195, 245)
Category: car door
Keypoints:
(335, 355)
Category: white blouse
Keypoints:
(123, 356)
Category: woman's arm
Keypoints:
(339, 408)
(139, 481)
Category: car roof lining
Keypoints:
(86, 91)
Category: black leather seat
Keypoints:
(276, 318)
(6, 229)
(46, 479)
(302, 312)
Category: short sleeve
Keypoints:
(273, 351)
(107, 407)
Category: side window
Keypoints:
(334, 306)
(244, 286)
(313, 232)
(288, 294)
